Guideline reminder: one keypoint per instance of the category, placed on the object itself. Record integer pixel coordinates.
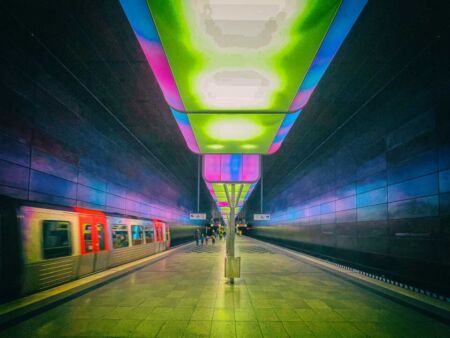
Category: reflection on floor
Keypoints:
(185, 295)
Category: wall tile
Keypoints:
(52, 199)
(444, 157)
(410, 130)
(347, 216)
(326, 208)
(114, 201)
(90, 195)
(51, 165)
(373, 197)
(421, 186)
(373, 166)
(13, 175)
(375, 181)
(423, 164)
(416, 207)
(52, 185)
(88, 205)
(14, 192)
(346, 203)
(91, 181)
(444, 181)
(444, 205)
(328, 218)
(116, 189)
(372, 213)
(346, 190)
(14, 151)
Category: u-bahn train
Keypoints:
(45, 246)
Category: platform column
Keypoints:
(230, 237)
(232, 264)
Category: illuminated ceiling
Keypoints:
(237, 73)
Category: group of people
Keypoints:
(209, 234)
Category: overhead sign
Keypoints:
(197, 216)
(261, 217)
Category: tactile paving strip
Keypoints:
(254, 249)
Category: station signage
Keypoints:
(197, 216)
(261, 217)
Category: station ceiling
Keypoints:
(90, 46)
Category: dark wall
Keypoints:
(181, 233)
(82, 120)
(374, 190)
(53, 156)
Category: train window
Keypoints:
(101, 236)
(120, 236)
(87, 235)
(56, 239)
(149, 234)
(137, 235)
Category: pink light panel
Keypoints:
(236, 168)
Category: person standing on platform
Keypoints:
(202, 238)
(197, 236)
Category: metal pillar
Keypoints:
(232, 264)
(199, 164)
(231, 226)
(262, 186)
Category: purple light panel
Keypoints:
(285, 127)
(236, 168)
(186, 129)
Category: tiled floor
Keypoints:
(185, 295)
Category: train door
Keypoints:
(93, 242)
(158, 235)
(167, 232)
(158, 231)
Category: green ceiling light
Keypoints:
(234, 130)
(247, 55)
(215, 146)
(238, 65)
(243, 57)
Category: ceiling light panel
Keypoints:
(241, 55)
(231, 167)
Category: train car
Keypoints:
(53, 246)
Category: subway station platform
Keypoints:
(185, 294)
